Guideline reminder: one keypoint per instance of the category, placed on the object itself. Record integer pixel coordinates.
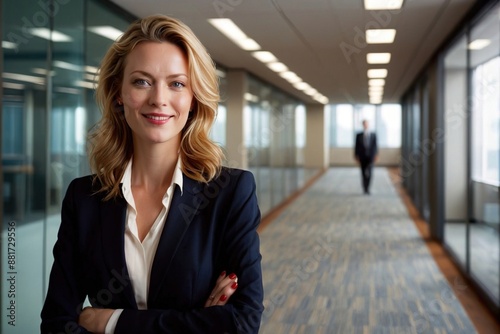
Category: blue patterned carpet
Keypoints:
(339, 261)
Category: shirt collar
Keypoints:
(127, 178)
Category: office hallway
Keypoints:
(338, 261)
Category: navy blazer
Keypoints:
(209, 228)
(363, 153)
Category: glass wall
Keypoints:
(384, 119)
(51, 50)
(271, 128)
(467, 72)
(484, 81)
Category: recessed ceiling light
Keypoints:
(311, 91)
(11, 85)
(378, 58)
(375, 88)
(277, 67)
(383, 4)
(106, 31)
(302, 85)
(479, 44)
(264, 56)
(378, 73)
(380, 36)
(52, 35)
(290, 76)
(234, 33)
(376, 82)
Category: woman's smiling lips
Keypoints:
(157, 119)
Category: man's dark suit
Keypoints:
(209, 228)
(365, 153)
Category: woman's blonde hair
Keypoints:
(110, 143)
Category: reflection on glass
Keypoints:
(455, 147)
(485, 154)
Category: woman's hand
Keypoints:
(224, 288)
(95, 319)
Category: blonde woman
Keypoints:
(162, 238)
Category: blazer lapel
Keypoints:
(183, 209)
(113, 215)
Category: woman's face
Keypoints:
(156, 93)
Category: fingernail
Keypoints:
(223, 298)
(223, 273)
(232, 276)
(234, 286)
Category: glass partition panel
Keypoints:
(455, 149)
(24, 133)
(484, 68)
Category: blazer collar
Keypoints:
(183, 208)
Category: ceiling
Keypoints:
(322, 41)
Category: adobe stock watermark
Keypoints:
(40, 19)
(455, 116)
(433, 310)
(299, 273)
(221, 7)
(381, 19)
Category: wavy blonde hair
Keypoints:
(110, 142)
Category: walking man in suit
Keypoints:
(366, 154)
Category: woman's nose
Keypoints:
(159, 96)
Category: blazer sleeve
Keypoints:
(242, 313)
(65, 294)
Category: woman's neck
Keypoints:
(153, 166)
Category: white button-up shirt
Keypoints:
(139, 256)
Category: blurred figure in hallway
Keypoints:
(365, 153)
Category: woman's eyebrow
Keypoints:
(175, 75)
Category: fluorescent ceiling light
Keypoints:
(376, 82)
(220, 73)
(378, 58)
(302, 85)
(251, 97)
(290, 76)
(277, 67)
(321, 98)
(378, 73)
(23, 77)
(375, 89)
(479, 44)
(9, 45)
(264, 56)
(380, 36)
(106, 31)
(375, 94)
(310, 91)
(383, 4)
(47, 34)
(234, 33)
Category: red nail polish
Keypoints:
(223, 298)
(232, 276)
(223, 273)
(234, 286)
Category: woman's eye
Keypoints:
(178, 84)
(141, 82)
